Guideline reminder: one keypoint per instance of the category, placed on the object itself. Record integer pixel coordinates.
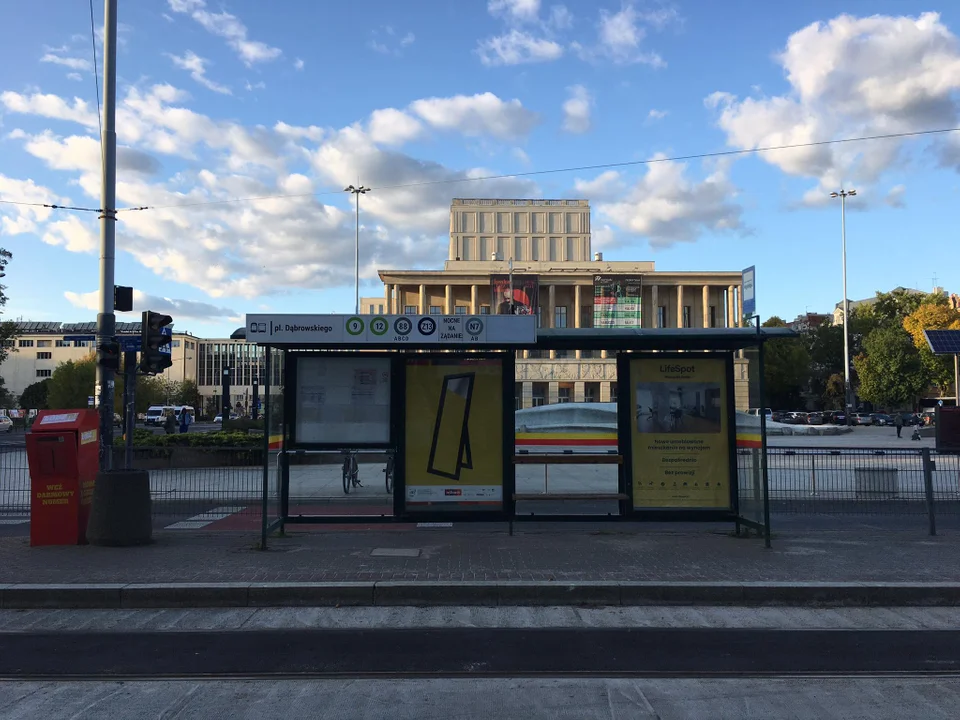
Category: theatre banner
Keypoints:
(616, 301)
(524, 299)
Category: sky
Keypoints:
(292, 100)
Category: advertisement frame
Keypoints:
(625, 429)
(506, 509)
(624, 279)
(519, 279)
(290, 379)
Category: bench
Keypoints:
(565, 459)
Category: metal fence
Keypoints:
(802, 481)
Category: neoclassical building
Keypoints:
(550, 240)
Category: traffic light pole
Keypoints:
(106, 320)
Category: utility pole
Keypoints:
(357, 191)
(848, 391)
(106, 320)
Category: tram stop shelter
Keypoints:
(431, 401)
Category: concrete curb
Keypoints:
(492, 593)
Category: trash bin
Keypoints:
(63, 454)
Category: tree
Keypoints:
(8, 330)
(834, 396)
(824, 345)
(786, 369)
(890, 370)
(34, 396)
(72, 383)
(933, 316)
(7, 400)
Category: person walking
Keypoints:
(184, 421)
(898, 421)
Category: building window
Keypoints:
(43, 343)
(44, 355)
(535, 354)
(564, 393)
(484, 309)
(687, 315)
(613, 392)
(662, 316)
(713, 316)
(44, 373)
(518, 248)
(560, 316)
(539, 396)
(82, 343)
(63, 343)
(460, 310)
(25, 343)
(591, 392)
(175, 343)
(380, 310)
(436, 310)
(409, 309)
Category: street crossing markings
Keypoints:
(203, 519)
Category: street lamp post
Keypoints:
(847, 389)
(357, 191)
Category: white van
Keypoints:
(157, 413)
(766, 411)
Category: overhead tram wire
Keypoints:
(529, 173)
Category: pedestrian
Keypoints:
(169, 424)
(898, 421)
(184, 421)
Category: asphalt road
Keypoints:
(478, 652)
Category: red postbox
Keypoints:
(64, 454)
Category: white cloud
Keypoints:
(894, 197)
(73, 234)
(655, 114)
(70, 62)
(847, 77)
(384, 41)
(523, 10)
(230, 28)
(576, 110)
(516, 48)
(178, 308)
(620, 35)
(520, 155)
(197, 67)
(481, 114)
(605, 186)
(50, 106)
(294, 132)
(298, 64)
(390, 126)
(74, 76)
(665, 207)
(20, 219)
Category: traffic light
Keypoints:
(108, 355)
(154, 343)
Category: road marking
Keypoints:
(396, 552)
(21, 520)
(203, 519)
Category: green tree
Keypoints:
(786, 369)
(824, 345)
(833, 396)
(7, 400)
(71, 384)
(890, 370)
(8, 330)
(34, 396)
(933, 316)
(187, 393)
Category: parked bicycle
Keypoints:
(388, 472)
(351, 472)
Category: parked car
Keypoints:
(862, 419)
(756, 412)
(910, 418)
(814, 418)
(794, 418)
(881, 419)
(6, 424)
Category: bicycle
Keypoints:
(351, 472)
(388, 473)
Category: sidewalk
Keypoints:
(483, 565)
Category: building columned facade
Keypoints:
(550, 240)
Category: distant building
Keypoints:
(867, 302)
(809, 321)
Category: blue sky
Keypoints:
(245, 98)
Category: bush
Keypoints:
(242, 425)
(214, 439)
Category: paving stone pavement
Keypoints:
(559, 552)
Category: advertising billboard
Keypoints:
(453, 446)
(525, 300)
(680, 440)
(616, 301)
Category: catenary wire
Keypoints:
(580, 168)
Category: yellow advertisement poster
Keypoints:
(679, 433)
(454, 433)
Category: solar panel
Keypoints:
(943, 342)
